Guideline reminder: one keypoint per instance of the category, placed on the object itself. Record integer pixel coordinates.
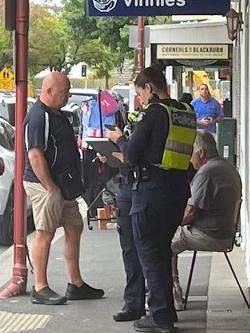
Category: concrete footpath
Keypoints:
(215, 304)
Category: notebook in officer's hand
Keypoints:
(106, 147)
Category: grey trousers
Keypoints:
(189, 237)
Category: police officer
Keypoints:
(134, 292)
(160, 147)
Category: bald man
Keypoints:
(51, 148)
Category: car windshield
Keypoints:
(123, 92)
(5, 140)
(7, 111)
(80, 98)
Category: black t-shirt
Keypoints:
(50, 131)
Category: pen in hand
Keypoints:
(94, 159)
(102, 158)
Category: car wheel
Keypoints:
(7, 221)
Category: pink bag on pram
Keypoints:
(109, 105)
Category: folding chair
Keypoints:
(226, 251)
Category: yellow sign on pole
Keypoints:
(6, 79)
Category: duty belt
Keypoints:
(126, 179)
(142, 174)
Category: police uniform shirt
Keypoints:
(51, 132)
(146, 144)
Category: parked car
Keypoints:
(1, 166)
(7, 158)
(128, 94)
(123, 90)
(81, 95)
(7, 106)
(123, 107)
(73, 112)
(6, 182)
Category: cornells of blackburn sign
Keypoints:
(156, 7)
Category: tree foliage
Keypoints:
(59, 40)
(88, 41)
(99, 57)
(112, 32)
(6, 47)
(80, 26)
(48, 40)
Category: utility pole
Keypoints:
(139, 56)
(18, 282)
(20, 231)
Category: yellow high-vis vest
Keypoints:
(134, 116)
(182, 132)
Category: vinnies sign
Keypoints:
(156, 7)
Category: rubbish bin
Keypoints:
(226, 139)
(227, 108)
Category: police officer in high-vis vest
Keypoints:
(134, 291)
(160, 148)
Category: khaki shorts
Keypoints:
(50, 210)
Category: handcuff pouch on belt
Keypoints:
(142, 174)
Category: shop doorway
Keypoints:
(186, 75)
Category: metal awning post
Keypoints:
(19, 279)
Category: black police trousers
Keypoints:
(156, 213)
(134, 293)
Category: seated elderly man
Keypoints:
(208, 223)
